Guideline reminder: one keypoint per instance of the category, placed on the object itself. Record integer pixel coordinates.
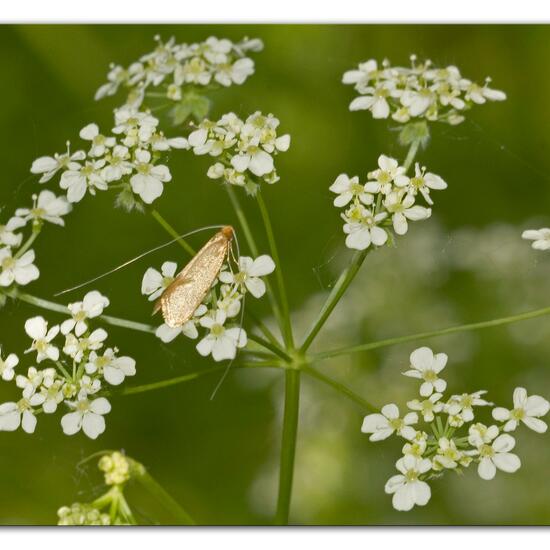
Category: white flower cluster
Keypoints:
(75, 376)
(244, 150)
(386, 200)
(178, 67)
(16, 257)
(129, 159)
(540, 238)
(420, 91)
(219, 306)
(430, 450)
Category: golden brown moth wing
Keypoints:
(184, 295)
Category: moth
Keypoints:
(184, 295)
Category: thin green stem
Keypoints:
(59, 308)
(248, 235)
(433, 333)
(344, 390)
(29, 241)
(287, 325)
(336, 293)
(140, 474)
(171, 231)
(241, 216)
(288, 445)
(170, 381)
(191, 376)
(271, 347)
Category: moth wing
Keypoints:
(184, 295)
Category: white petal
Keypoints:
(536, 424)
(374, 422)
(28, 422)
(422, 358)
(422, 493)
(390, 411)
(255, 286)
(403, 499)
(519, 397)
(486, 469)
(100, 406)
(262, 265)
(93, 425)
(536, 406)
(504, 443)
(71, 423)
(36, 327)
(507, 462)
(261, 163)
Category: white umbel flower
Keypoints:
(381, 426)
(426, 366)
(527, 409)
(49, 166)
(221, 342)
(250, 271)
(7, 366)
(407, 489)
(13, 415)
(21, 270)
(37, 329)
(402, 208)
(46, 207)
(154, 282)
(100, 143)
(149, 181)
(91, 306)
(88, 416)
(347, 188)
(497, 455)
(83, 178)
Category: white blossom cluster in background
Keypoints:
(244, 150)
(74, 368)
(387, 200)
(216, 316)
(177, 68)
(18, 234)
(540, 238)
(128, 160)
(435, 435)
(420, 91)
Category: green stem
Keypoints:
(288, 445)
(190, 376)
(433, 333)
(287, 325)
(59, 308)
(171, 231)
(271, 347)
(140, 474)
(336, 293)
(341, 389)
(241, 216)
(242, 220)
(28, 243)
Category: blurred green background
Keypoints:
(219, 458)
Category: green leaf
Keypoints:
(191, 105)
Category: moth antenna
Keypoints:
(226, 371)
(138, 257)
